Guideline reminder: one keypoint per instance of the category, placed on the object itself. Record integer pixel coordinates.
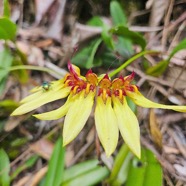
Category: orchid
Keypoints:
(112, 113)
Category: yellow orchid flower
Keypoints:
(112, 113)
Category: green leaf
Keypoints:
(145, 64)
(29, 163)
(146, 171)
(124, 47)
(7, 29)
(123, 173)
(107, 37)
(5, 59)
(92, 54)
(56, 165)
(131, 104)
(5, 63)
(2, 84)
(2, 124)
(126, 33)
(180, 46)
(108, 58)
(158, 69)
(18, 142)
(4, 169)
(85, 58)
(21, 74)
(95, 21)
(8, 105)
(85, 174)
(6, 9)
(79, 169)
(117, 14)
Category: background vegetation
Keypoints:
(37, 38)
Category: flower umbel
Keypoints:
(112, 113)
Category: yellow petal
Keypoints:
(44, 98)
(38, 91)
(128, 125)
(77, 116)
(58, 113)
(31, 97)
(106, 125)
(54, 85)
(140, 100)
(76, 69)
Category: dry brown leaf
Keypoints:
(170, 150)
(179, 140)
(34, 54)
(38, 176)
(181, 169)
(158, 11)
(41, 8)
(43, 147)
(173, 73)
(23, 47)
(31, 33)
(69, 156)
(14, 122)
(43, 43)
(155, 130)
(23, 181)
(57, 25)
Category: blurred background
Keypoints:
(37, 38)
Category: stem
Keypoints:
(129, 61)
(120, 158)
(30, 67)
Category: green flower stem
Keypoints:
(30, 67)
(120, 158)
(129, 61)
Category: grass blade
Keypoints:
(56, 165)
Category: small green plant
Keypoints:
(115, 101)
(117, 40)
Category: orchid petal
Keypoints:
(128, 125)
(77, 116)
(44, 98)
(140, 100)
(55, 85)
(73, 69)
(106, 125)
(58, 113)
(76, 69)
(38, 91)
(31, 97)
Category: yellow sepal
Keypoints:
(41, 99)
(140, 100)
(128, 125)
(58, 113)
(106, 125)
(54, 85)
(77, 116)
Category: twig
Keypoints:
(166, 23)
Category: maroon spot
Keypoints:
(106, 76)
(71, 69)
(123, 92)
(89, 72)
(116, 92)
